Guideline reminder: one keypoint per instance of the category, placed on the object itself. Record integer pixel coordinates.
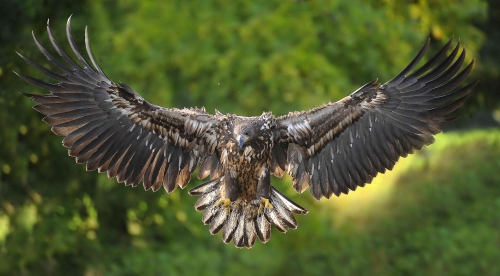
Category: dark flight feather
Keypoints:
(87, 108)
(390, 120)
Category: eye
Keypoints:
(246, 133)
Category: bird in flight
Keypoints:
(331, 149)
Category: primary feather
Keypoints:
(330, 149)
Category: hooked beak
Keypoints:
(241, 140)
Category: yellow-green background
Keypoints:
(436, 213)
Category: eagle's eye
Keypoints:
(246, 133)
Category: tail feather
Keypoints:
(243, 225)
(263, 227)
(217, 222)
(209, 196)
(229, 229)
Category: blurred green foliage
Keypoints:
(437, 213)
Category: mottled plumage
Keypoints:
(331, 149)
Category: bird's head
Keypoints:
(245, 131)
(248, 129)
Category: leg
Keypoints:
(264, 191)
(264, 204)
(231, 186)
(231, 192)
(226, 204)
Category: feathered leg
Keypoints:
(231, 192)
(264, 191)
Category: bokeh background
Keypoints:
(436, 213)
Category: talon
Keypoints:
(226, 204)
(264, 204)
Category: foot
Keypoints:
(226, 204)
(264, 204)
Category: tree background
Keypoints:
(436, 213)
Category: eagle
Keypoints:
(332, 149)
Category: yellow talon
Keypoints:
(226, 204)
(264, 204)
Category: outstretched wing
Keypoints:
(113, 129)
(339, 146)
